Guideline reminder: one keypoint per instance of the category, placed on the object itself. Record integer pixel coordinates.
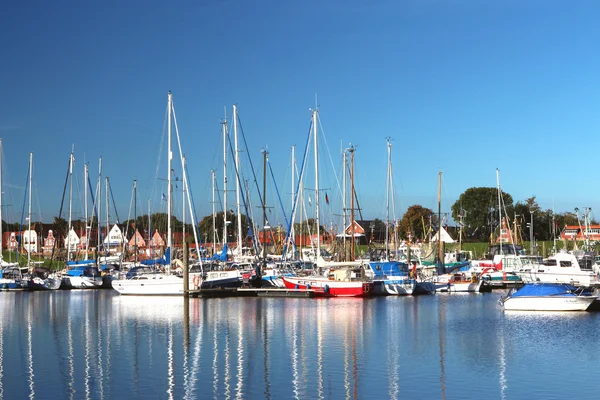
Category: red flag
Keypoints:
(326, 199)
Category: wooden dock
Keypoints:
(254, 292)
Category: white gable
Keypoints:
(115, 236)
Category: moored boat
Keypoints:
(548, 297)
(352, 279)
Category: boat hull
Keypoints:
(548, 303)
(81, 282)
(151, 285)
(394, 287)
(331, 288)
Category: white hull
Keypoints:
(549, 303)
(464, 287)
(151, 284)
(83, 282)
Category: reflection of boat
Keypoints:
(548, 297)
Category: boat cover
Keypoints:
(545, 289)
(389, 268)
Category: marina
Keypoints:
(96, 344)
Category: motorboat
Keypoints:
(548, 297)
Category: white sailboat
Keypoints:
(158, 282)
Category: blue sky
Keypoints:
(462, 87)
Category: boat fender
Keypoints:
(464, 276)
(196, 281)
(326, 289)
(504, 276)
(308, 286)
(296, 286)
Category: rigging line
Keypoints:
(277, 191)
(128, 223)
(255, 245)
(112, 196)
(296, 192)
(249, 158)
(60, 210)
(23, 210)
(329, 154)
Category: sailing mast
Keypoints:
(352, 230)
(29, 214)
(440, 247)
(85, 196)
(499, 209)
(1, 255)
(135, 230)
(169, 158)
(344, 210)
(314, 122)
(71, 160)
(387, 197)
(239, 184)
(214, 217)
(224, 128)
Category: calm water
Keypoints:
(98, 345)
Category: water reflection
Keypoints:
(96, 345)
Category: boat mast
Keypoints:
(70, 205)
(169, 157)
(344, 210)
(107, 238)
(98, 207)
(135, 230)
(499, 208)
(85, 196)
(239, 184)
(183, 194)
(224, 128)
(440, 247)
(314, 122)
(264, 207)
(387, 197)
(352, 230)
(29, 213)
(1, 256)
(214, 218)
(292, 232)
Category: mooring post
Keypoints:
(186, 275)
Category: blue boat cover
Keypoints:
(164, 260)
(223, 255)
(389, 268)
(80, 270)
(545, 289)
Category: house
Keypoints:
(578, 232)
(30, 241)
(72, 241)
(49, 242)
(137, 240)
(115, 239)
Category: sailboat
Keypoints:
(38, 278)
(11, 277)
(81, 274)
(159, 281)
(351, 278)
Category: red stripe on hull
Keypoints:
(331, 288)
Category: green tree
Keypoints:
(207, 228)
(480, 209)
(416, 222)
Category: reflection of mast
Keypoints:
(215, 366)
(265, 323)
(240, 361)
(1, 326)
(320, 356)
(87, 353)
(30, 352)
(171, 363)
(442, 344)
(71, 361)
